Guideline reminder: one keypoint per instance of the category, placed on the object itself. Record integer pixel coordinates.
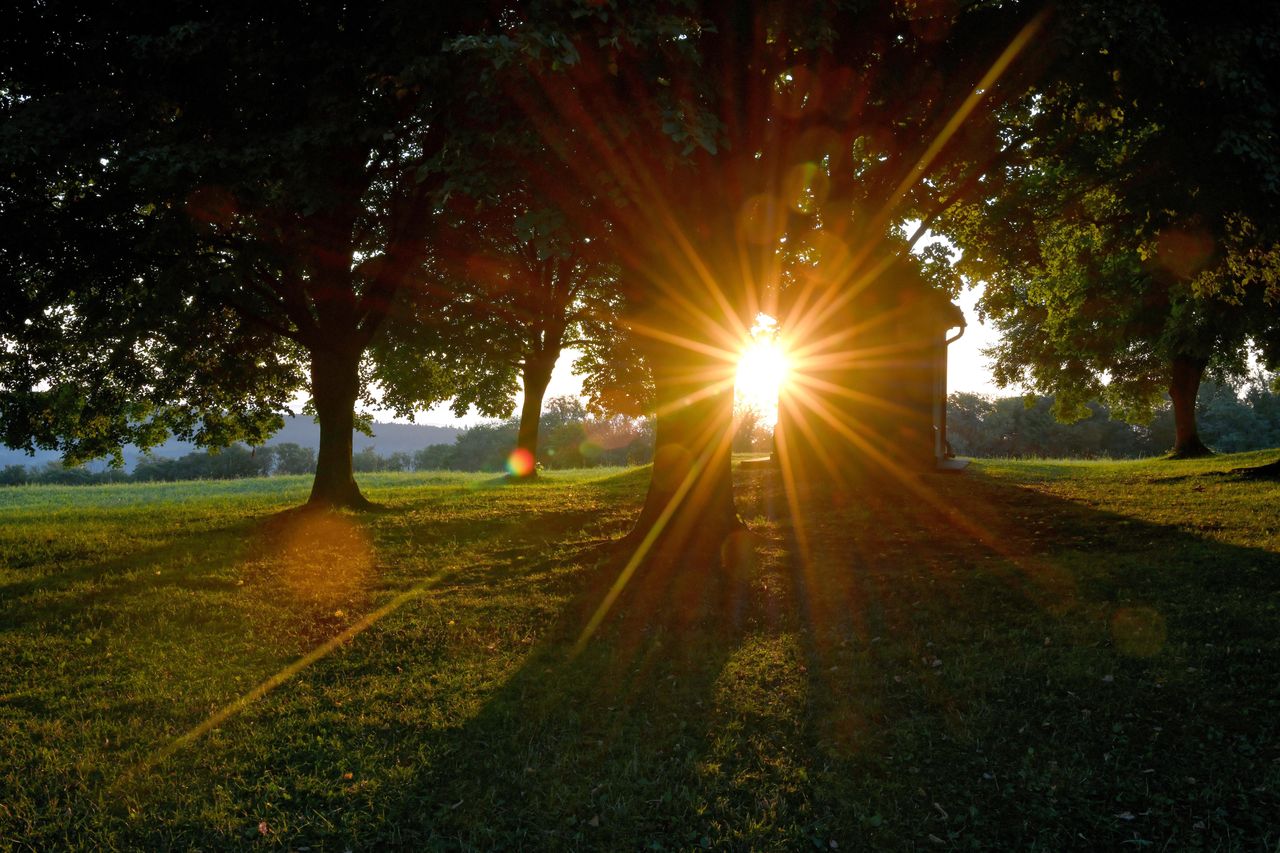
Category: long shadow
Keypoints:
(206, 557)
(192, 550)
(1002, 667)
(974, 664)
(958, 663)
(580, 749)
(226, 608)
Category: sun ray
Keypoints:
(231, 709)
(801, 384)
(764, 367)
(641, 552)
(725, 353)
(1057, 583)
(790, 490)
(834, 298)
(711, 288)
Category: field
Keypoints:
(1035, 655)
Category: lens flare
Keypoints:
(520, 463)
(762, 370)
(322, 562)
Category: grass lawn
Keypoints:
(1034, 655)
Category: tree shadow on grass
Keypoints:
(963, 664)
(136, 658)
(1031, 671)
(304, 552)
(200, 555)
(581, 748)
(297, 560)
(969, 663)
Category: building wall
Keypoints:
(865, 401)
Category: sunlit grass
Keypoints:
(1101, 671)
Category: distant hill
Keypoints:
(301, 429)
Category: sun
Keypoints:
(763, 367)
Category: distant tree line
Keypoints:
(230, 463)
(571, 438)
(1230, 422)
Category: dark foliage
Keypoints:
(1008, 427)
(210, 208)
(571, 438)
(232, 463)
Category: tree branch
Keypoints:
(270, 325)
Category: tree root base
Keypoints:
(356, 504)
(1269, 471)
(1196, 451)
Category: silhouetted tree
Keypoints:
(209, 207)
(708, 132)
(519, 288)
(1131, 244)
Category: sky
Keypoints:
(967, 371)
(967, 368)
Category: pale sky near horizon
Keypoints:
(967, 368)
(967, 371)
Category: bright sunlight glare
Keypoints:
(762, 369)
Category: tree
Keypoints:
(211, 207)
(518, 288)
(572, 438)
(293, 458)
(434, 457)
(709, 134)
(1017, 427)
(751, 432)
(484, 447)
(367, 460)
(229, 463)
(1131, 245)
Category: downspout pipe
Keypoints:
(941, 450)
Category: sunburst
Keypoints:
(763, 368)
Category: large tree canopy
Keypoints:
(712, 134)
(1131, 243)
(208, 207)
(510, 286)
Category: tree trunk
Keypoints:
(1184, 386)
(335, 383)
(689, 511)
(536, 376)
